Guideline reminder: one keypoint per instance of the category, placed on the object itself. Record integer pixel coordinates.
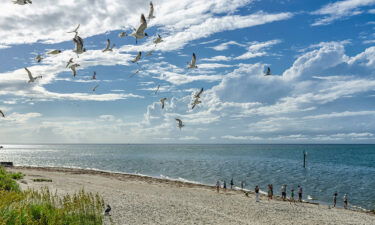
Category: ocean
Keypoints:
(343, 168)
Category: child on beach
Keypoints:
(346, 201)
(231, 183)
(218, 186)
(334, 199)
(257, 193)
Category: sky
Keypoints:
(321, 54)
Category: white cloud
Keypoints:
(339, 10)
(225, 45)
(256, 49)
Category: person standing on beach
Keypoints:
(299, 193)
(283, 192)
(345, 201)
(231, 183)
(270, 192)
(334, 199)
(242, 184)
(257, 193)
(291, 195)
(225, 186)
(217, 186)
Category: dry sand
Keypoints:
(144, 200)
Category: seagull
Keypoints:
(149, 53)
(108, 48)
(151, 12)
(180, 124)
(198, 95)
(196, 102)
(22, 2)
(78, 41)
(2, 114)
(157, 89)
(158, 40)
(140, 32)
(54, 52)
(193, 61)
(268, 72)
(135, 73)
(75, 30)
(38, 58)
(73, 68)
(107, 210)
(162, 100)
(94, 76)
(137, 58)
(31, 78)
(69, 62)
(122, 34)
(94, 89)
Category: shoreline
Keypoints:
(178, 182)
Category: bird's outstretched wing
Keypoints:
(151, 12)
(141, 29)
(2, 114)
(29, 73)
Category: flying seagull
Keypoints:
(180, 124)
(22, 2)
(94, 89)
(38, 58)
(73, 68)
(268, 72)
(198, 95)
(78, 41)
(54, 52)
(31, 78)
(107, 210)
(75, 30)
(108, 48)
(94, 76)
(140, 32)
(162, 100)
(69, 62)
(2, 114)
(137, 58)
(157, 89)
(122, 34)
(196, 102)
(193, 61)
(151, 12)
(158, 40)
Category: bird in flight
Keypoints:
(94, 76)
(157, 89)
(137, 58)
(140, 32)
(69, 62)
(54, 52)
(38, 58)
(31, 78)
(162, 100)
(2, 114)
(73, 68)
(268, 72)
(158, 40)
(196, 102)
(179, 123)
(193, 62)
(122, 34)
(78, 41)
(75, 30)
(151, 12)
(108, 48)
(198, 95)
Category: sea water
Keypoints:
(343, 168)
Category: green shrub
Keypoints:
(17, 176)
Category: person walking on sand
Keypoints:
(345, 201)
(334, 199)
(300, 193)
(283, 192)
(225, 186)
(231, 183)
(217, 186)
(257, 193)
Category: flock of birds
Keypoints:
(138, 33)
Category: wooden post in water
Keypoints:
(304, 159)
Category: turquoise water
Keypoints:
(342, 168)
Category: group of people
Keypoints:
(283, 192)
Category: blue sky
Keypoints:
(321, 54)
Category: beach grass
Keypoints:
(42, 180)
(43, 207)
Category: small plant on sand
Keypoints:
(17, 176)
(42, 180)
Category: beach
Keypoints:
(145, 200)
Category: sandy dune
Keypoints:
(144, 200)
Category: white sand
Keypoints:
(142, 200)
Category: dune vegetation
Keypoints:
(43, 207)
